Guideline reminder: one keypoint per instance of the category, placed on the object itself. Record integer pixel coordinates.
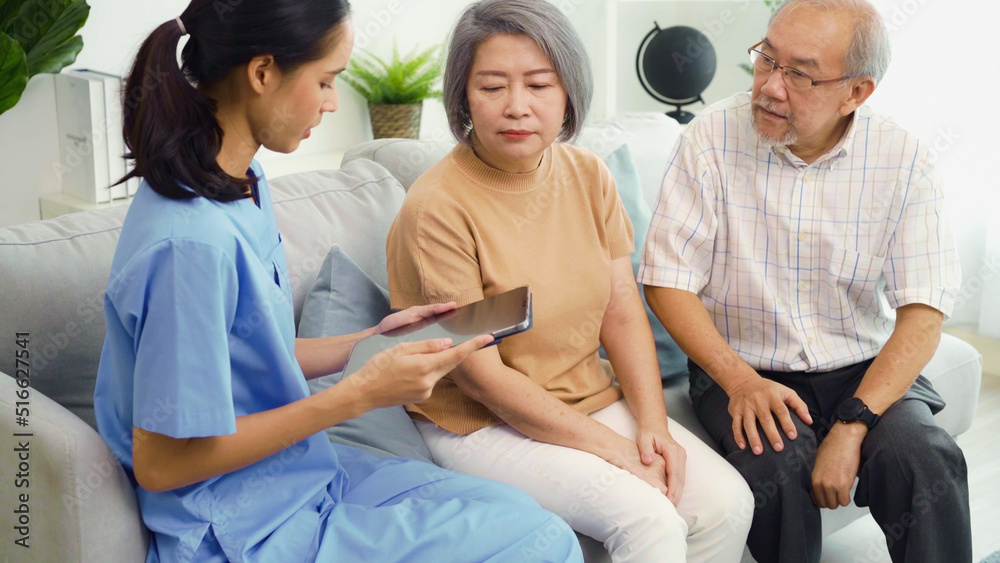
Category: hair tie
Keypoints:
(180, 24)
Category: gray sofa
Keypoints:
(80, 507)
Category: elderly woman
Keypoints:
(511, 206)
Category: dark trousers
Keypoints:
(912, 476)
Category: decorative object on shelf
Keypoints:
(773, 5)
(91, 146)
(36, 36)
(396, 90)
(675, 65)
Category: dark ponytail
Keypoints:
(169, 125)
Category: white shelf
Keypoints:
(56, 205)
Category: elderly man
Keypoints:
(783, 215)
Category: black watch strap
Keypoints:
(853, 410)
(869, 418)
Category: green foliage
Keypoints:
(36, 36)
(403, 80)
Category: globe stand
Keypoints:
(684, 117)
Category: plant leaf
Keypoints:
(13, 72)
(44, 27)
(357, 85)
(404, 80)
(58, 58)
(8, 10)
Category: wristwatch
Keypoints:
(853, 410)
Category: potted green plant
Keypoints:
(36, 36)
(395, 90)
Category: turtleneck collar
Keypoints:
(492, 178)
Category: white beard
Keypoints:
(789, 138)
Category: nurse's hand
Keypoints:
(407, 372)
(412, 315)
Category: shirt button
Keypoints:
(809, 341)
(803, 237)
(802, 287)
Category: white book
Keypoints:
(83, 150)
(113, 118)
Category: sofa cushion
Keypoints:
(82, 504)
(53, 274)
(956, 371)
(344, 300)
(406, 159)
(672, 361)
(651, 136)
(352, 207)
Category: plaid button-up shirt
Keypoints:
(791, 259)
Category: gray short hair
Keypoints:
(869, 52)
(537, 19)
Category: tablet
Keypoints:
(501, 315)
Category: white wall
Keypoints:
(943, 85)
(28, 149)
(28, 138)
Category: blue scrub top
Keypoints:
(200, 330)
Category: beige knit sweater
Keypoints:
(468, 231)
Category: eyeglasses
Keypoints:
(793, 77)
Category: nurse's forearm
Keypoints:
(322, 356)
(162, 463)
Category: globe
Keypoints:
(675, 65)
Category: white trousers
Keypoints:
(633, 520)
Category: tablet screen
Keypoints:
(501, 315)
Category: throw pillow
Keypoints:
(343, 300)
(672, 361)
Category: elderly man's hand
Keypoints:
(763, 400)
(837, 462)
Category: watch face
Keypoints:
(851, 409)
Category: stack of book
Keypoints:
(91, 145)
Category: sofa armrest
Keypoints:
(956, 370)
(81, 507)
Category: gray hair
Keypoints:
(869, 52)
(537, 19)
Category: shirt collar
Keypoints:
(832, 156)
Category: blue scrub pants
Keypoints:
(403, 510)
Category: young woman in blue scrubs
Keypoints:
(201, 390)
